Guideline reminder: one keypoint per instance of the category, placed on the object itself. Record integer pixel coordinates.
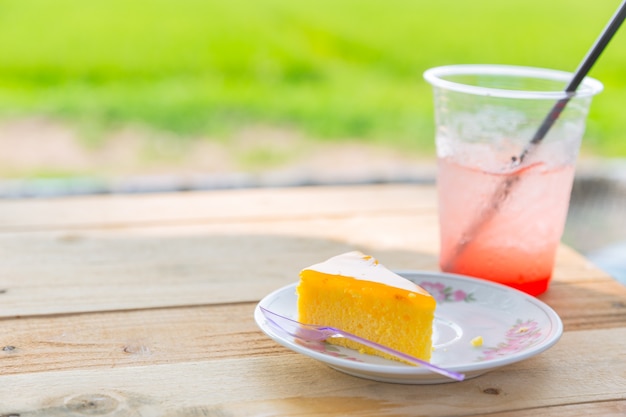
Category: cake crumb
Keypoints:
(477, 341)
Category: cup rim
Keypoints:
(435, 76)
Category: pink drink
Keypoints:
(517, 243)
(504, 181)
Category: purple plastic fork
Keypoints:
(312, 332)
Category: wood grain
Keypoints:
(287, 384)
(142, 306)
(47, 273)
(130, 338)
(157, 336)
(107, 266)
(211, 206)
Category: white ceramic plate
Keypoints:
(514, 326)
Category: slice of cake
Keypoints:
(357, 294)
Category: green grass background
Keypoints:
(331, 69)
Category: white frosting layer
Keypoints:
(359, 266)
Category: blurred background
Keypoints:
(154, 95)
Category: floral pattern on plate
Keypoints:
(521, 336)
(445, 293)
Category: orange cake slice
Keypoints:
(355, 293)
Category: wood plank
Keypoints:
(604, 409)
(107, 264)
(130, 338)
(599, 303)
(574, 267)
(163, 266)
(83, 329)
(99, 270)
(213, 206)
(157, 336)
(282, 383)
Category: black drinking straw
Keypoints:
(579, 75)
(504, 189)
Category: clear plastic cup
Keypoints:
(503, 203)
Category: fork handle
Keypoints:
(412, 359)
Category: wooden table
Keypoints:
(143, 306)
